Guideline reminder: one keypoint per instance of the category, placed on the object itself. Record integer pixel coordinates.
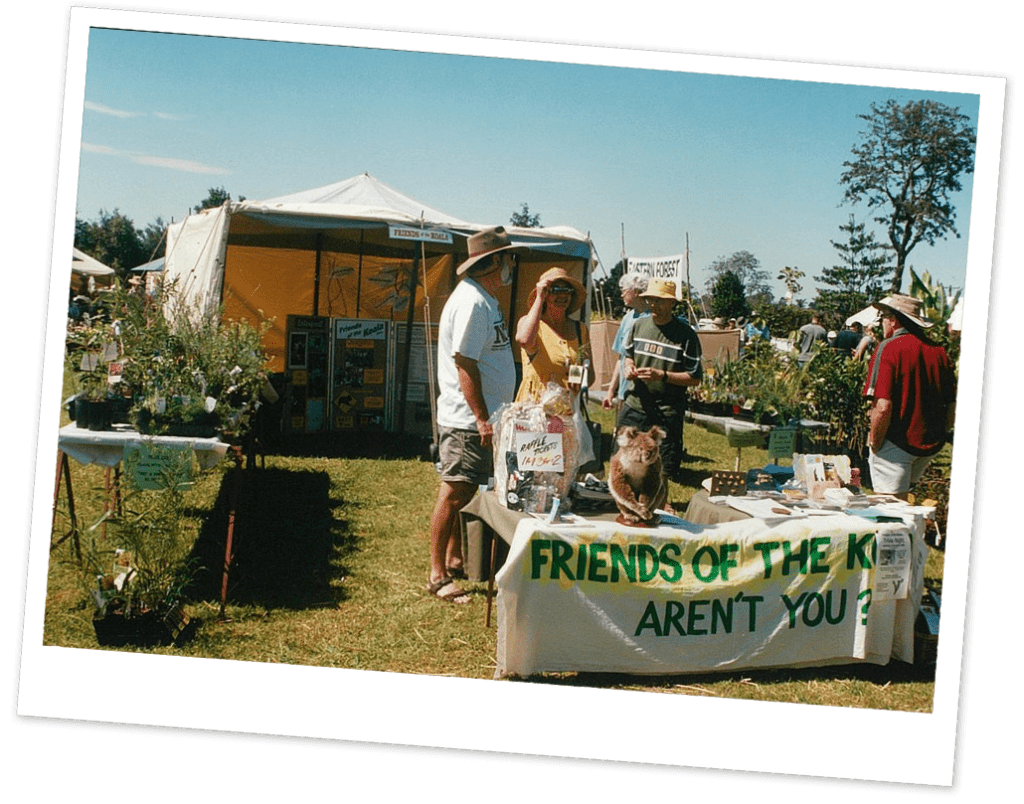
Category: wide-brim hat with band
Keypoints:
(560, 274)
(905, 307)
(660, 289)
(486, 242)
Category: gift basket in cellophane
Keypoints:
(537, 452)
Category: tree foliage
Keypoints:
(729, 298)
(906, 165)
(859, 278)
(215, 197)
(791, 276)
(748, 270)
(113, 240)
(524, 218)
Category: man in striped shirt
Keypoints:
(913, 391)
(662, 359)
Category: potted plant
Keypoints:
(90, 349)
(137, 573)
(191, 373)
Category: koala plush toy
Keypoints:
(636, 477)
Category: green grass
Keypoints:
(330, 567)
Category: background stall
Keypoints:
(356, 250)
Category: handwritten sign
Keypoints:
(540, 452)
(360, 329)
(158, 467)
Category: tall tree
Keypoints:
(748, 270)
(215, 197)
(859, 278)
(791, 276)
(729, 297)
(524, 218)
(906, 165)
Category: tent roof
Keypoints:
(361, 197)
(152, 265)
(83, 264)
(867, 317)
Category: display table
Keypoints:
(686, 598)
(701, 511)
(741, 433)
(487, 528)
(108, 448)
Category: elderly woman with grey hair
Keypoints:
(631, 286)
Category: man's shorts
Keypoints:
(463, 458)
(894, 470)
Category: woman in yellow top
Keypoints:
(551, 341)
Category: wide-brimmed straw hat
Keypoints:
(660, 289)
(483, 243)
(905, 307)
(556, 274)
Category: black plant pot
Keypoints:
(119, 409)
(147, 629)
(99, 414)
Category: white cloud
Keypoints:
(98, 149)
(183, 165)
(99, 107)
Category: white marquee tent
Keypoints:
(354, 249)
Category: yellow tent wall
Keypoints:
(272, 283)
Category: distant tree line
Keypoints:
(904, 168)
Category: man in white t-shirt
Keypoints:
(476, 375)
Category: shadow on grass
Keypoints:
(348, 444)
(896, 672)
(289, 548)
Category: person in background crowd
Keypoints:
(663, 359)
(848, 339)
(550, 340)
(753, 331)
(912, 389)
(867, 344)
(809, 335)
(631, 286)
(476, 375)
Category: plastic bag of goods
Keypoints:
(536, 452)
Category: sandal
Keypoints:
(452, 595)
(457, 573)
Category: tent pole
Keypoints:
(316, 278)
(359, 273)
(408, 341)
(429, 346)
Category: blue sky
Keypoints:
(737, 163)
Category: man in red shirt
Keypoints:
(913, 389)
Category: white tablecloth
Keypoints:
(106, 447)
(601, 597)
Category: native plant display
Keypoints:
(186, 373)
(765, 385)
(136, 560)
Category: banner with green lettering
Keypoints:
(689, 598)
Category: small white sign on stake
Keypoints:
(540, 452)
